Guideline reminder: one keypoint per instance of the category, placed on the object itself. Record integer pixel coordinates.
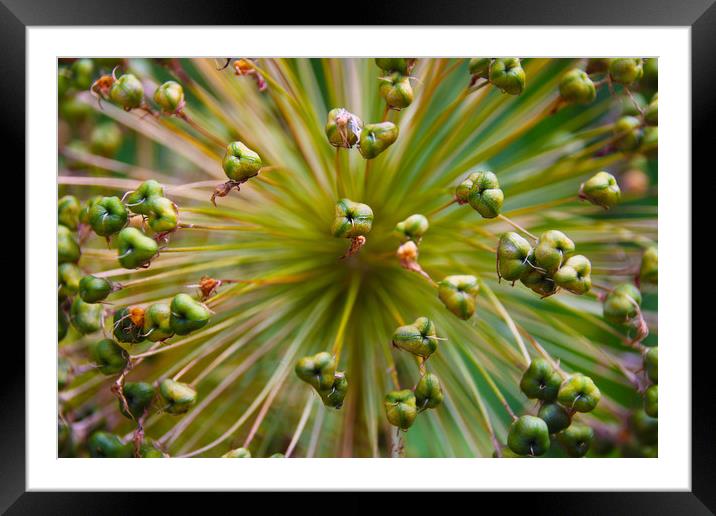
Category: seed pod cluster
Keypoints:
(505, 73)
(319, 371)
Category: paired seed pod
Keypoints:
(139, 200)
(576, 439)
(514, 255)
(485, 195)
(108, 216)
(419, 338)
(507, 74)
(109, 356)
(552, 249)
(626, 70)
(575, 275)
(622, 304)
(352, 219)
(187, 314)
(86, 317)
(528, 435)
(649, 269)
(343, 128)
(170, 97)
(127, 92)
(157, 322)
(411, 229)
(135, 249)
(163, 214)
(540, 381)
(578, 392)
(238, 453)
(400, 408)
(240, 163)
(601, 189)
(458, 294)
(334, 396)
(68, 249)
(139, 396)
(68, 211)
(179, 397)
(428, 392)
(318, 370)
(93, 289)
(577, 88)
(395, 88)
(375, 138)
(402, 65)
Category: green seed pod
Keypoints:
(352, 219)
(125, 326)
(187, 314)
(400, 408)
(507, 74)
(480, 66)
(93, 289)
(575, 275)
(150, 451)
(163, 214)
(419, 338)
(485, 195)
(127, 92)
(73, 110)
(375, 138)
(413, 228)
(83, 72)
(343, 128)
(170, 97)
(109, 356)
(318, 370)
(539, 281)
(68, 250)
(649, 270)
(68, 211)
(644, 427)
(626, 70)
(108, 216)
(462, 192)
(334, 396)
(62, 324)
(628, 133)
(576, 439)
(64, 373)
(577, 88)
(396, 90)
(651, 114)
(601, 189)
(69, 275)
(134, 248)
(458, 294)
(555, 416)
(139, 396)
(238, 453)
(428, 393)
(579, 393)
(240, 163)
(622, 304)
(651, 364)
(650, 142)
(552, 249)
(106, 139)
(138, 200)
(651, 401)
(157, 322)
(528, 435)
(87, 206)
(105, 445)
(651, 73)
(86, 317)
(513, 256)
(394, 64)
(540, 381)
(179, 396)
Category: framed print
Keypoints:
(388, 273)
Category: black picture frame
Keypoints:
(700, 15)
